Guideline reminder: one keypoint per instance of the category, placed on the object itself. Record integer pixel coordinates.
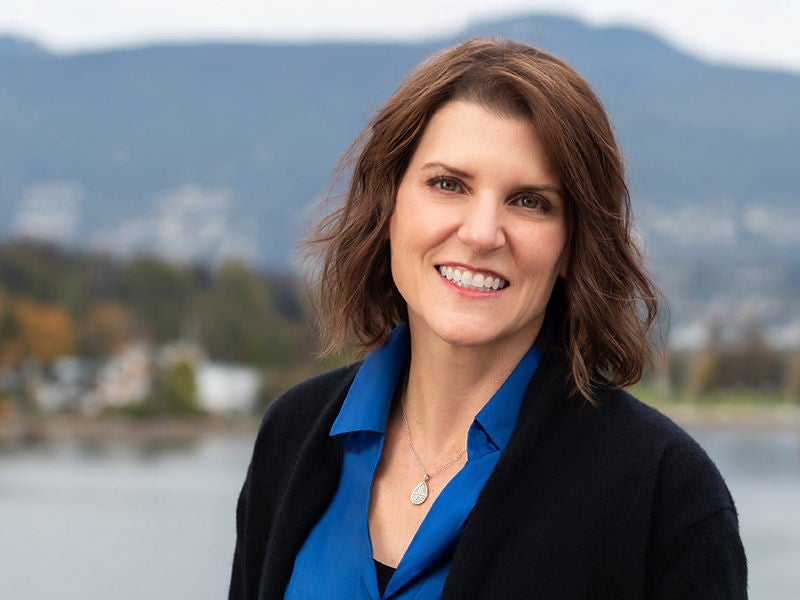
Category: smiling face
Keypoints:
(478, 235)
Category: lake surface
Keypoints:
(124, 521)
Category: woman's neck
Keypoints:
(448, 385)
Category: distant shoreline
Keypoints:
(733, 416)
(33, 430)
(24, 431)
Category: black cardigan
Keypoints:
(613, 501)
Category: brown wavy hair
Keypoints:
(601, 315)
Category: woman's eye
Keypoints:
(446, 185)
(532, 202)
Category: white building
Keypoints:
(124, 379)
(227, 388)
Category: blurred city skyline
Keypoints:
(741, 32)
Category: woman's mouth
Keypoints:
(472, 280)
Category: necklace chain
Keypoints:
(420, 492)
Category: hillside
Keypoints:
(212, 150)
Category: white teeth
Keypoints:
(473, 281)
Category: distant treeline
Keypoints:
(56, 302)
(746, 364)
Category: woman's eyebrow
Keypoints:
(544, 188)
(446, 167)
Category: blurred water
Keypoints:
(119, 522)
(122, 521)
(762, 469)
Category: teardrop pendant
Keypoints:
(420, 493)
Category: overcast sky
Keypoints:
(749, 32)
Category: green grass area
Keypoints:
(657, 395)
(745, 409)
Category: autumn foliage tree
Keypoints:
(45, 331)
(105, 329)
(54, 301)
(11, 350)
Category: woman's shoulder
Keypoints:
(298, 421)
(306, 410)
(641, 426)
(685, 475)
(695, 542)
(310, 404)
(645, 423)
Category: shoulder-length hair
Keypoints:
(602, 313)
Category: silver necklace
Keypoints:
(420, 492)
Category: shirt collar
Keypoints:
(366, 406)
(499, 417)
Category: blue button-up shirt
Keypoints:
(336, 563)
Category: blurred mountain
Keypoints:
(14, 47)
(219, 149)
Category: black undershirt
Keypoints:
(384, 573)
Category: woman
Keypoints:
(484, 448)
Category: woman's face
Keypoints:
(478, 235)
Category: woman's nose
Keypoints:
(481, 227)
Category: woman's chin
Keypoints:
(479, 337)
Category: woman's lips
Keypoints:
(472, 279)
